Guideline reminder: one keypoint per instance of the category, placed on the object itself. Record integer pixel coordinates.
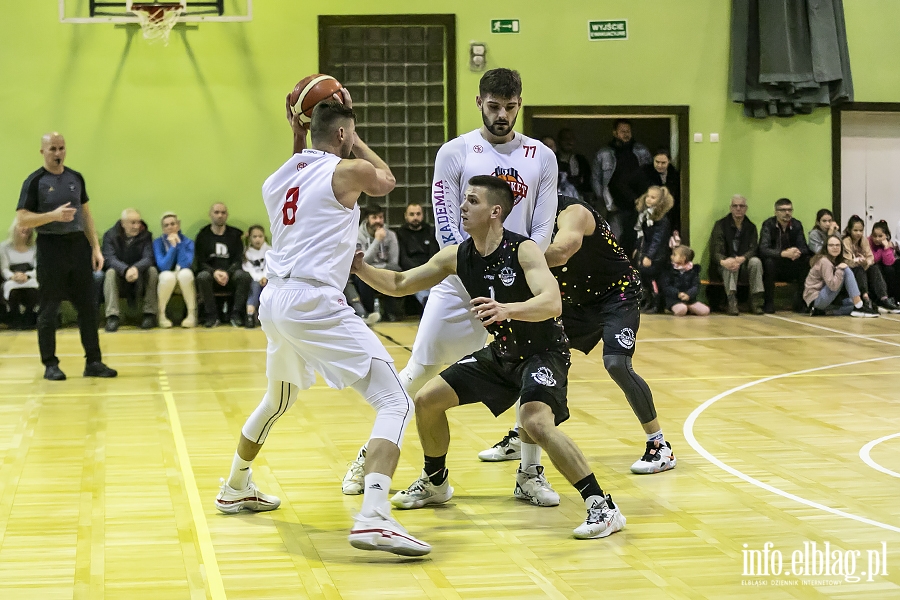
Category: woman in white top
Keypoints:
(255, 264)
(19, 267)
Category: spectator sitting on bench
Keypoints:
(417, 243)
(733, 246)
(218, 254)
(859, 257)
(825, 226)
(130, 269)
(18, 263)
(174, 253)
(382, 251)
(885, 252)
(784, 253)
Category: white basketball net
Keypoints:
(157, 19)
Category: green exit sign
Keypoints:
(504, 26)
(608, 30)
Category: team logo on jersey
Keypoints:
(626, 338)
(301, 165)
(72, 187)
(515, 181)
(544, 376)
(478, 149)
(507, 276)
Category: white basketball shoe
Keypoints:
(509, 448)
(657, 458)
(422, 492)
(603, 519)
(230, 500)
(354, 479)
(532, 486)
(382, 532)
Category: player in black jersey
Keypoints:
(600, 292)
(515, 296)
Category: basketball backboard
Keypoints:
(115, 11)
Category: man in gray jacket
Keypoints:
(382, 251)
(614, 168)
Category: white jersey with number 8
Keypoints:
(313, 235)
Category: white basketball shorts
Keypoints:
(449, 329)
(311, 329)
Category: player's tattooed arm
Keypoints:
(409, 282)
(573, 224)
(546, 303)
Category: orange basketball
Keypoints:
(310, 91)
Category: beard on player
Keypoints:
(499, 126)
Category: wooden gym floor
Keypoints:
(785, 428)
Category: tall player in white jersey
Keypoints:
(449, 330)
(313, 213)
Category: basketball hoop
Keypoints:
(157, 18)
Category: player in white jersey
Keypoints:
(448, 329)
(313, 213)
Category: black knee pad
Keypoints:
(617, 365)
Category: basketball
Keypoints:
(309, 92)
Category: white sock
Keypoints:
(375, 492)
(518, 423)
(240, 473)
(656, 437)
(531, 455)
(858, 304)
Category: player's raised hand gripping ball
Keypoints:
(309, 92)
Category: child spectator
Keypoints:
(19, 267)
(681, 284)
(885, 252)
(825, 226)
(827, 277)
(255, 264)
(858, 256)
(651, 249)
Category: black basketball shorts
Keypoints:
(484, 377)
(615, 319)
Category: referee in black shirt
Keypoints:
(55, 202)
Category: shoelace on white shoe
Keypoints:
(387, 517)
(504, 443)
(356, 467)
(598, 513)
(418, 485)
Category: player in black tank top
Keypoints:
(500, 276)
(600, 292)
(516, 298)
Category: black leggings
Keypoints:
(870, 282)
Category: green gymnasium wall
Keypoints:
(201, 120)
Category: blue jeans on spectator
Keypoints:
(827, 295)
(253, 298)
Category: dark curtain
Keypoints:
(789, 56)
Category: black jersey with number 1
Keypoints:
(500, 276)
(598, 268)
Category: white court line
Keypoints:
(692, 441)
(894, 319)
(676, 340)
(846, 333)
(864, 454)
(213, 577)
